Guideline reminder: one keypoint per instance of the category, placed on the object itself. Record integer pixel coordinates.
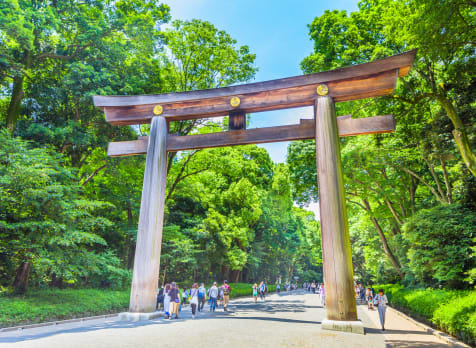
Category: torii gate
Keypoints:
(374, 79)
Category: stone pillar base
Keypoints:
(129, 316)
(346, 326)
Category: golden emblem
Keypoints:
(158, 110)
(235, 102)
(322, 90)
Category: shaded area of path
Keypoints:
(283, 320)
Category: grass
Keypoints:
(452, 311)
(55, 304)
(38, 306)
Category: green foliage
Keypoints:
(453, 311)
(45, 223)
(440, 244)
(54, 304)
(245, 289)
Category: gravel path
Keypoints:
(283, 320)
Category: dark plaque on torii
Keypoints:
(374, 79)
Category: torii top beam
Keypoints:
(374, 79)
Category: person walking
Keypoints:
(313, 287)
(174, 300)
(362, 294)
(184, 296)
(167, 301)
(160, 298)
(261, 290)
(369, 298)
(213, 294)
(255, 292)
(220, 296)
(322, 294)
(381, 302)
(202, 297)
(225, 289)
(278, 288)
(194, 299)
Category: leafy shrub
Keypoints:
(440, 245)
(452, 311)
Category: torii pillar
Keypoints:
(341, 306)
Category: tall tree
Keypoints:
(38, 34)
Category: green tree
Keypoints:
(441, 239)
(46, 226)
(37, 35)
(442, 74)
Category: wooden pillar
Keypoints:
(149, 235)
(336, 253)
(237, 120)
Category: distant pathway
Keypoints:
(284, 320)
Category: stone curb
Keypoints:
(441, 335)
(58, 322)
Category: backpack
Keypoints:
(226, 290)
(201, 294)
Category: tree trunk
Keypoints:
(21, 278)
(165, 272)
(235, 276)
(449, 193)
(13, 111)
(383, 239)
(459, 133)
(56, 282)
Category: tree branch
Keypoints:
(93, 174)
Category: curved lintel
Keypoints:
(367, 80)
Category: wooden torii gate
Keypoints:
(374, 79)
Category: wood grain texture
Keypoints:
(367, 86)
(402, 62)
(336, 252)
(237, 120)
(347, 126)
(149, 235)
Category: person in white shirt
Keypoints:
(381, 302)
(213, 294)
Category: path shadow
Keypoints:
(94, 327)
(413, 344)
(392, 331)
(282, 320)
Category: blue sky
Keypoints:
(276, 31)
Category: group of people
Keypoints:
(197, 296)
(318, 288)
(169, 297)
(260, 290)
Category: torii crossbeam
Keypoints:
(374, 79)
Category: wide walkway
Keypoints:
(283, 320)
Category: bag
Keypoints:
(201, 294)
(177, 300)
(226, 291)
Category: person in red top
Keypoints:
(226, 294)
